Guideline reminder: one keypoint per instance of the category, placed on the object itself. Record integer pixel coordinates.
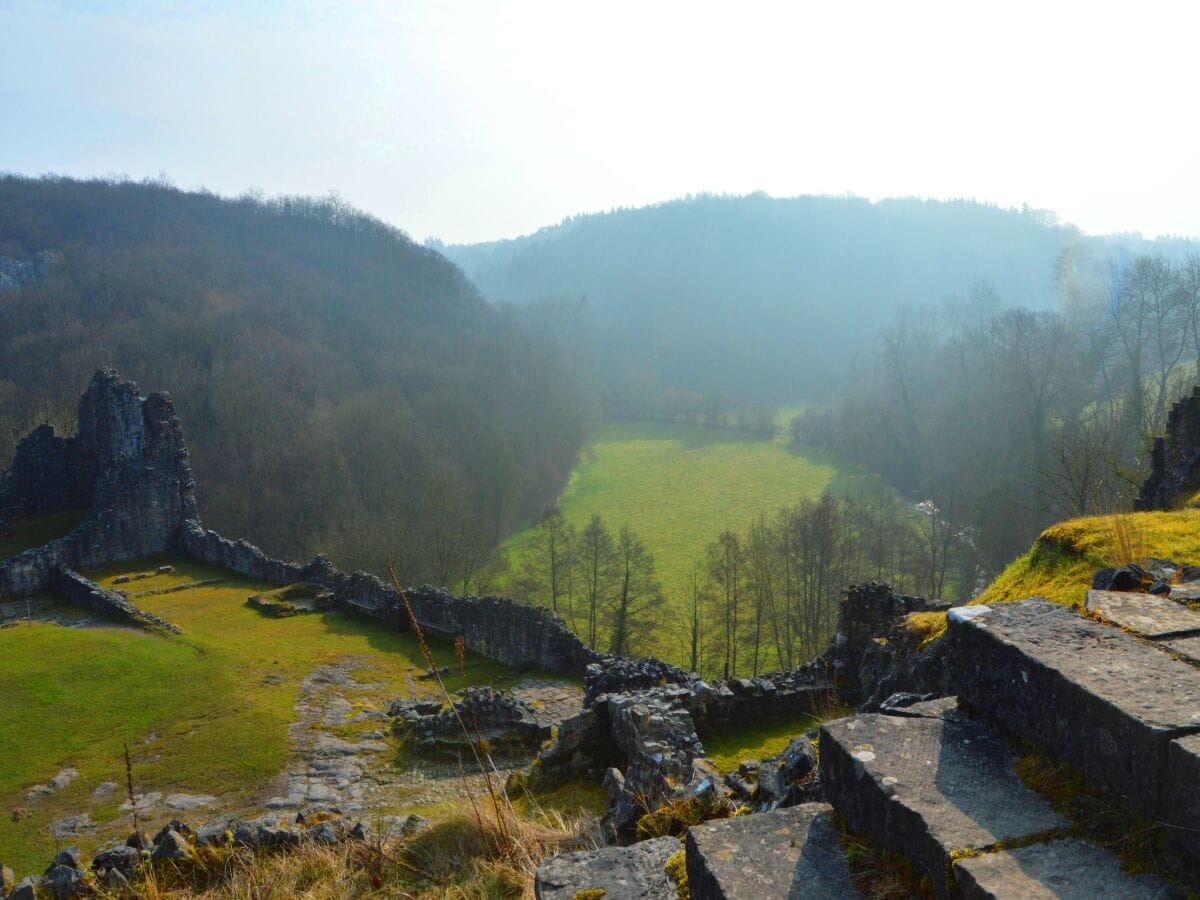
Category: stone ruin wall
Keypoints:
(128, 465)
(1175, 460)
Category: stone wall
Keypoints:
(237, 556)
(113, 604)
(512, 633)
(1175, 462)
(873, 655)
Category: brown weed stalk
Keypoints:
(431, 662)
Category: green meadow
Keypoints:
(679, 486)
(203, 712)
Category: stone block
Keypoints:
(623, 873)
(791, 853)
(1065, 869)
(926, 787)
(1184, 647)
(1149, 615)
(1085, 692)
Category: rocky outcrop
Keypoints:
(1175, 460)
(16, 274)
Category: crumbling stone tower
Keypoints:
(127, 465)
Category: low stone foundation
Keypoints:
(114, 604)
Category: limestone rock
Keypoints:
(1150, 615)
(624, 873)
(1064, 682)
(124, 858)
(789, 854)
(171, 845)
(1065, 869)
(62, 882)
(927, 786)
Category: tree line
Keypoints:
(761, 599)
(1010, 419)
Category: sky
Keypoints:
(471, 121)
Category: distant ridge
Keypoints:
(766, 298)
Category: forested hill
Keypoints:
(763, 297)
(344, 390)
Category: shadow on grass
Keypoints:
(690, 437)
(850, 480)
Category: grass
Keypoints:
(1062, 561)
(678, 487)
(204, 712)
(730, 746)
(459, 857)
(1138, 843)
(34, 531)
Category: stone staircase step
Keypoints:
(1149, 615)
(623, 873)
(1064, 869)
(792, 853)
(1085, 692)
(928, 786)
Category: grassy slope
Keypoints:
(219, 698)
(677, 487)
(1062, 561)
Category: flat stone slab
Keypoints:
(624, 873)
(1065, 869)
(1086, 693)
(1184, 647)
(1188, 592)
(928, 786)
(1149, 615)
(793, 853)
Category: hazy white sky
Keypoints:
(475, 120)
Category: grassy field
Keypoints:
(678, 487)
(204, 712)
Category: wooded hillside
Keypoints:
(343, 389)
